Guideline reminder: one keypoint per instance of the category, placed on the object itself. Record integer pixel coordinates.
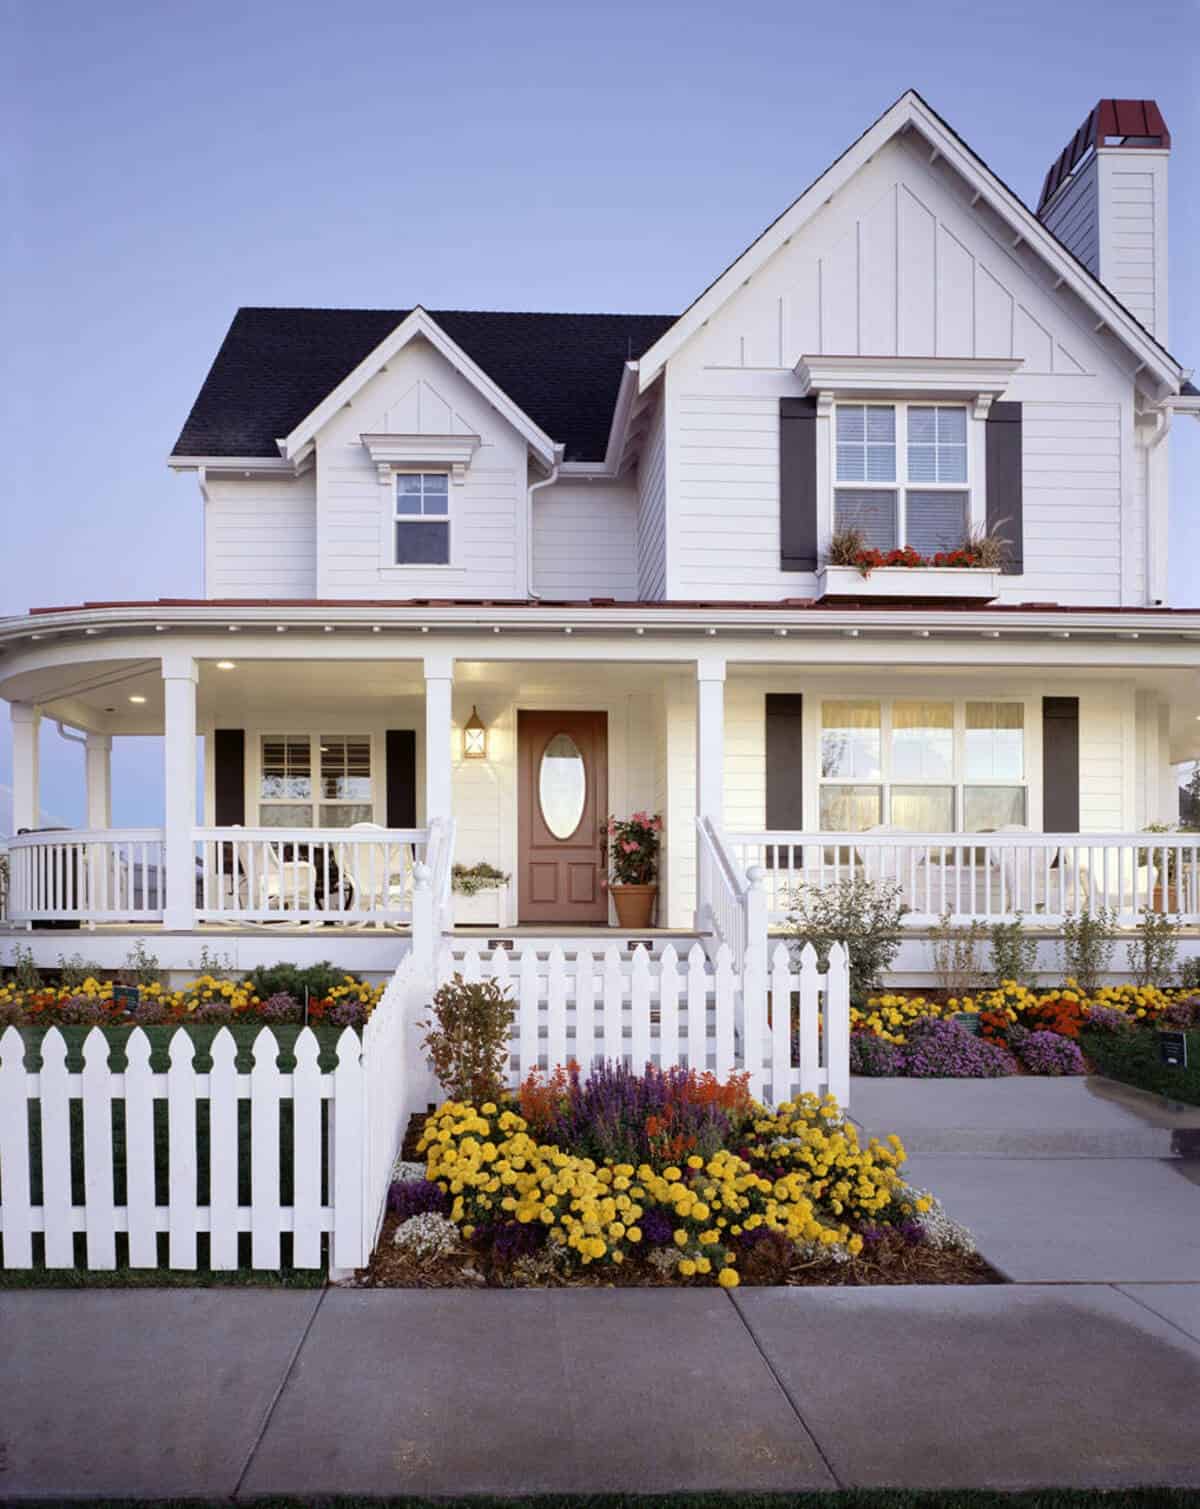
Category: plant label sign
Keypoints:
(646, 943)
(1172, 1049)
(505, 943)
(126, 997)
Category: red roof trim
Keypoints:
(1139, 119)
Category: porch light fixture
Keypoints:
(474, 737)
(136, 698)
(226, 665)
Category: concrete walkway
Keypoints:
(176, 1393)
(1061, 1180)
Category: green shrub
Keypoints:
(1087, 947)
(863, 914)
(1189, 970)
(25, 973)
(1014, 952)
(74, 971)
(141, 966)
(317, 980)
(1132, 1057)
(956, 961)
(1152, 953)
(468, 1039)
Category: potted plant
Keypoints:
(633, 844)
(1165, 863)
(476, 888)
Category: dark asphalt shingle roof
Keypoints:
(276, 365)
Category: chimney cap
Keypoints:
(1109, 123)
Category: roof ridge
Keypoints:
(566, 314)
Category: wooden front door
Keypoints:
(563, 816)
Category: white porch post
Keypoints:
(26, 725)
(710, 760)
(439, 683)
(179, 747)
(98, 757)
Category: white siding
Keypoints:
(421, 393)
(651, 516)
(1106, 740)
(1074, 217)
(260, 537)
(585, 540)
(1133, 233)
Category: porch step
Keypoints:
(520, 941)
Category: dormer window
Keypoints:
(422, 519)
(902, 474)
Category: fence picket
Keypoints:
(53, 1089)
(529, 993)
(264, 1152)
(724, 992)
(809, 1055)
(754, 1015)
(14, 1151)
(639, 1003)
(781, 1024)
(585, 1010)
(223, 1151)
(181, 1151)
(306, 1152)
(697, 1006)
(140, 1212)
(614, 996)
(668, 1007)
(837, 1025)
(556, 1009)
(345, 1159)
(96, 1083)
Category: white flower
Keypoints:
(941, 1233)
(403, 1171)
(427, 1235)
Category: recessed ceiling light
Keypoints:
(136, 698)
(226, 665)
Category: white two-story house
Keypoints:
(474, 581)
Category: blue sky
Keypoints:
(171, 161)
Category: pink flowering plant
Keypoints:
(633, 844)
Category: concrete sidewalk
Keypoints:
(246, 1393)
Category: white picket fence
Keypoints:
(339, 1167)
(788, 1027)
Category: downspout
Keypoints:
(1156, 511)
(530, 590)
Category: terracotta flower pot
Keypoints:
(634, 904)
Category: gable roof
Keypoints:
(911, 111)
(276, 366)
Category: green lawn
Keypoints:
(1132, 1057)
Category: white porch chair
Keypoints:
(380, 875)
(1026, 875)
(286, 884)
(887, 861)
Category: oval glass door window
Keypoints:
(562, 786)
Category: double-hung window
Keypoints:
(901, 475)
(341, 796)
(922, 765)
(422, 519)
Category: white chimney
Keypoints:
(1105, 198)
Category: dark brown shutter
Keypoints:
(400, 746)
(229, 777)
(785, 763)
(798, 484)
(1004, 496)
(1060, 764)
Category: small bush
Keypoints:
(946, 1050)
(25, 973)
(74, 971)
(874, 1057)
(1153, 952)
(1105, 1019)
(863, 914)
(1014, 953)
(1048, 1053)
(317, 980)
(141, 966)
(1189, 970)
(956, 950)
(1087, 947)
(468, 1039)
(1183, 1013)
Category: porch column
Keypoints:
(98, 758)
(439, 683)
(179, 805)
(26, 725)
(710, 737)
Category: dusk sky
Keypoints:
(165, 163)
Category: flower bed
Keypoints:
(662, 1178)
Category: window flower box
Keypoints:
(938, 583)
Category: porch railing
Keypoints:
(991, 876)
(82, 875)
(306, 874)
(731, 895)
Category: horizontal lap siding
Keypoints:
(1072, 218)
(585, 541)
(1130, 241)
(1103, 713)
(652, 513)
(260, 537)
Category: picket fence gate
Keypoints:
(339, 1166)
(788, 1027)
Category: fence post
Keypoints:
(756, 909)
(837, 1023)
(424, 944)
(14, 1151)
(346, 1159)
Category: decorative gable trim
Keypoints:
(435, 452)
(418, 323)
(910, 112)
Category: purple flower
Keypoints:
(349, 1012)
(1182, 1013)
(944, 1049)
(1105, 1019)
(874, 1056)
(508, 1240)
(658, 1230)
(280, 1008)
(1049, 1053)
(415, 1197)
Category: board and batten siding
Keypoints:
(585, 540)
(898, 263)
(420, 393)
(652, 511)
(260, 537)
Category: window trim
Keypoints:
(396, 517)
(316, 801)
(886, 781)
(902, 484)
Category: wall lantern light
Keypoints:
(474, 737)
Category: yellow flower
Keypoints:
(728, 1277)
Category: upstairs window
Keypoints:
(901, 474)
(422, 520)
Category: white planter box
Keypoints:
(946, 582)
(484, 909)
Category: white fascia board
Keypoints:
(911, 111)
(418, 323)
(964, 376)
(622, 412)
(277, 464)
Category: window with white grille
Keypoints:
(902, 475)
